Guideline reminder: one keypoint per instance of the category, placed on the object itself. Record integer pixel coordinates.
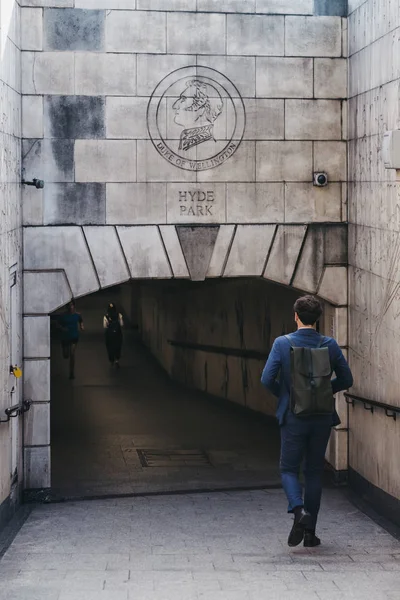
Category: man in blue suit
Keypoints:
(303, 438)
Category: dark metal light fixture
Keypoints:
(37, 183)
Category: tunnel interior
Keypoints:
(185, 410)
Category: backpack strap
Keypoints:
(321, 341)
(289, 339)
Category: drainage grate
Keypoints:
(174, 458)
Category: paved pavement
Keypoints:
(222, 546)
(103, 422)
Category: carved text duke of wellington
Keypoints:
(196, 203)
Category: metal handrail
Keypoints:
(239, 352)
(390, 410)
(16, 410)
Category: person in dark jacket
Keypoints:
(70, 323)
(303, 438)
(112, 324)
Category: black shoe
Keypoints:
(311, 540)
(302, 521)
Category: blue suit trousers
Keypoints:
(304, 439)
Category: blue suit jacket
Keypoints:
(279, 362)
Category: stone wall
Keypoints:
(10, 252)
(216, 337)
(107, 128)
(374, 239)
(178, 140)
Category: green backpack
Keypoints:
(310, 390)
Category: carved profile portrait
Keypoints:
(196, 110)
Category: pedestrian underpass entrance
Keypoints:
(185, 410)
(200, 332)
(138, 430)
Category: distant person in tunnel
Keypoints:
(303, 362)
(71, 324)
(113, 324)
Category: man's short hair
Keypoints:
(309, 309)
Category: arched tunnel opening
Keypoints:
(185, 410)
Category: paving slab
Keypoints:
(220, 546)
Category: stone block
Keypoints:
(136, 203)
(336, 244)
(37, 467)
(335, 8)
(105, 160)
(49, 3)
(284, 254)
(48, 73)
(74, 204)
(10, 65)
(221, 250)
(334, 285)
(49, 248)
(313, 120)
(239, 167)
(44, 292)
(48, 159)
(32, 205)
(313, 36)
(101, 4)
(107, 255)
(32, 116)
(239, 69)
(255, 35)
(311, 261)
(37, 380)
(152, 68)
(174, 251)
(126, 117)
(284, 77)
(105, 74)
(197, 245)
(144, 252)
(196, 203)
(171, 5)
(74, 29)
(341, 328)
(36, 337)
(285, 7)
(136, 31)
(265, 119)
(154, 168)
(330, 78)
(305, 203)
(195, 33)
(255, 203)
(249, 250)
(284, 161)
(331, 157)
(74, 117)
(31, 28)
(37, 425)
(227, 6)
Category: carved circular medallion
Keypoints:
(196, 118)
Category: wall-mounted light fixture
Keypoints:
(37, 183)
